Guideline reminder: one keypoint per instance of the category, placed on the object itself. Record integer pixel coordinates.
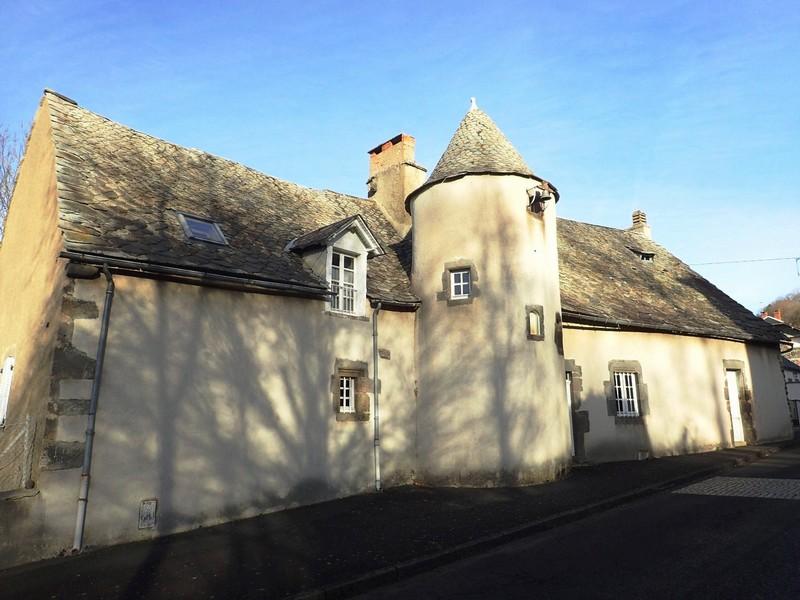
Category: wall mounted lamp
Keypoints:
(539, 197)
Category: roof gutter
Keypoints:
(584, 319)
(396, 304)
(431, 182)
(195, 276)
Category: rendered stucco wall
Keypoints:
(772, 420)
(31, 278)
(492, 405)
(685, 379)
(31, 286)
(219, 405)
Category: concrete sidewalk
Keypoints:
(341, 547)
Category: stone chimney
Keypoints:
(393, 175)
(640, 225)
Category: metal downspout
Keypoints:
(83, 494)
(377, 417)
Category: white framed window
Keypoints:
(459, 284)
(343, 277)
(6, 375)
(626, 394)
(202, 229)
(347, 386)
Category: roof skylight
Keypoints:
(201, 229)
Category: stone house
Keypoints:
(239, 344)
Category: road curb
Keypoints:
(409, 568)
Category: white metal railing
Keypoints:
(344, 298)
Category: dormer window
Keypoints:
(201, 229)
(343, 277)
(337, 253)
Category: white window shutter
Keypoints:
(5, 387)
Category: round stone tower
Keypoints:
(491, 404)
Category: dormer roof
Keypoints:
(327, 235)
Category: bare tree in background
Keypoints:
(11, 143)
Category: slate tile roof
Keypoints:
(604, 280)
(120, 192)
(787, 330)
(478, 146)
(788, 365)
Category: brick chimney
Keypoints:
(777, 314)
(393, 175)
(640, 225)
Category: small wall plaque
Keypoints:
(147, 513)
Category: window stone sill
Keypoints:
(353, 417)
(628, 420)
(19, 494)
(341, 315)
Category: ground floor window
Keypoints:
(350, 390)
(347, 386)
(625, 394)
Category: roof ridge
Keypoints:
(75, 105)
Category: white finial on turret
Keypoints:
(473, 105)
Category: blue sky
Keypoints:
(687, 110)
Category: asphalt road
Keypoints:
(737, 536)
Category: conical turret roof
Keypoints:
(478, 146)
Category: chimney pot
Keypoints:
(640, 225)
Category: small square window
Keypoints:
(459, 284)
(201, 229)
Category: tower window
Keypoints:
(535, 321)
(459, 284)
